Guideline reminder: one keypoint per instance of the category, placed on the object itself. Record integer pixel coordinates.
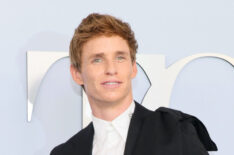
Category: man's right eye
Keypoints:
(97, 60)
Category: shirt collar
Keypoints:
(120, 124)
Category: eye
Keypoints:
(96, 60)
(120, 58)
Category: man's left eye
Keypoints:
(120, 58)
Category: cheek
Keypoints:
(91, 78)
(88, 78)
(127, 73)
(128, 70)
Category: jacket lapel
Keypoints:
(135, 127)
(86, 138)
(85, 141)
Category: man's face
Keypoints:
(106, 70)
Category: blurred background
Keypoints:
(174, 28)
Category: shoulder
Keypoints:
(190, 126)
(70, 146)
(166, 117)
(172, 113)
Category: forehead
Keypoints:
(105, 45)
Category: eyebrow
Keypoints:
(96, 55)
(121, 53)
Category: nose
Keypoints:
(111, 68)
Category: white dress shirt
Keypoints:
(110, 136)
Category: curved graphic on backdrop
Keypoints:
(38, 63)
(163, 80)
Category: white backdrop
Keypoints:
(176, 29)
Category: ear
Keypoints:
(76, 75)
(134, 69)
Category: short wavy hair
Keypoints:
(95, 25)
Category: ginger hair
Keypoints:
(95, 25)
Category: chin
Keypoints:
(113, 98)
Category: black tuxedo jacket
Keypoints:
(162, 132)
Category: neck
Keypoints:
(109, 111)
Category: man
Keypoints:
(103, 61)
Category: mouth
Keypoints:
(111, 84)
